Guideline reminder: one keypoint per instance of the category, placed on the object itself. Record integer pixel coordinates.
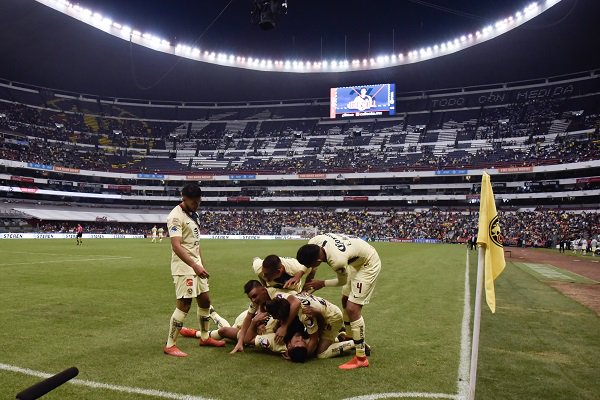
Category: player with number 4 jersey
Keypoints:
(357, 266)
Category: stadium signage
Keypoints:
(407, 240)
(495, 185)
(252, 237)
(40, 166)
(66, 236)
(592, 179)
(65, 169)
(239, 199)
(510, 170)
(394, 187)
(150, 176)
(312, 176)
(124, 188)
(22, 179)
(242, 177)
(356, 198)
(452, 172)
(199, 177)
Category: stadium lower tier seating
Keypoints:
(541, 228)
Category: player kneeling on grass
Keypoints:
(257, 328)
(189, 275)
(322, 321)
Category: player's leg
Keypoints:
(203, 313)
(361, 288)
(328, 347)
(184, 302)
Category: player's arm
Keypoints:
(311, 275)
(185, 257)
(313, 342)
(294, 280)
(340, 280)
(245, 325)
(282, 330)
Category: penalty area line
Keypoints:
(105, 386)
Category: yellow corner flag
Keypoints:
(490, 237)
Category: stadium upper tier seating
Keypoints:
(516, 128)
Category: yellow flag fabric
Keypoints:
(490, 237)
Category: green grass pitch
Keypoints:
(104, 307)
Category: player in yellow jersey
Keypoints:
(280, 274)
(248, 332)
(189, 275)
(322, 321)
(277, 275)
(357, 265)
(154, 234)
(161, 233)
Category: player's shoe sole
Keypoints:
(356, 362)
(188, 332)
(212, 342)
(174, 351)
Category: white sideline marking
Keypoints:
(463, 366)
(99, 385)
(465, 340)
(73, 260)
(406, 395)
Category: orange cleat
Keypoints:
(174, 351)
(188, 332)
(356, 362)
(212, 342)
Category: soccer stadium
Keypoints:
(173, 174)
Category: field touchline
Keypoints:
(105, 386)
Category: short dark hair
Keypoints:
(278, 308)
(191, 190)
(298, 354)
(308, 254)
(251, 284)
(271, 262)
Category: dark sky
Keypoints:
(299, 33)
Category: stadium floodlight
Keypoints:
(463, 41)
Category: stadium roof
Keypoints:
(43, 47)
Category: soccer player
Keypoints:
(357, 266)
(154, 234)
(322, 321)
(246, 335)
(161, 232)
(280, 274)
(79, 234)
(189, 275)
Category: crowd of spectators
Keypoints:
(540, 228)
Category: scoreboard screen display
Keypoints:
(363, 101)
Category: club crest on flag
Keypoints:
(495, 232)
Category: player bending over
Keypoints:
(280, 274)
(357, 266)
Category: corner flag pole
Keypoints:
(476, 323)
